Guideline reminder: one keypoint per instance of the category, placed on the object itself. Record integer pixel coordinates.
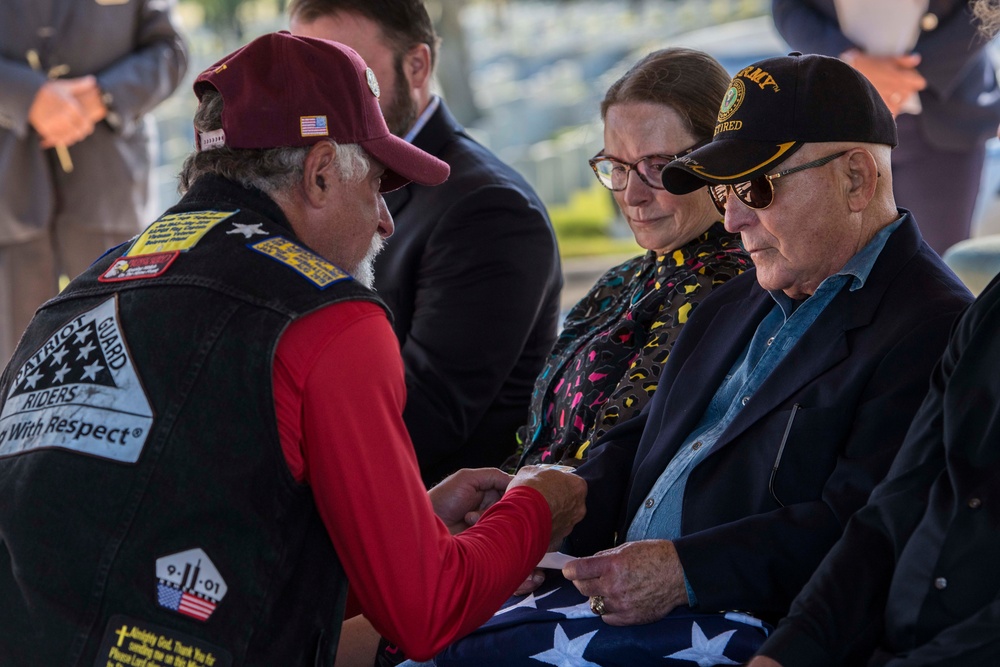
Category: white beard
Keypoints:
(365, 272)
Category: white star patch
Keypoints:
(91, 371)
(32, 380)
(248, 231)
(705, 652)
(61, 373)
(566, 652)
(85, 352)
(526, 603)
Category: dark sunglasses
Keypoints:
(758, 193)
(613, 173)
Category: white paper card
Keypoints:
(554, 560)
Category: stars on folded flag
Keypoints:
(581, 610)
(705, 652)
(566, 652)
(526, 603)
(556, 627)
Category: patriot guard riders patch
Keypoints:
(311, 266)
(189, 583)
(79, 391)
(128, 641)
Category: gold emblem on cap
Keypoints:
(732, 100)
(372, 82)
(758, 76)
(928, 21)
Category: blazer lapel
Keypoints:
(822, 345)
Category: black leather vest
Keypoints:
(146, 509)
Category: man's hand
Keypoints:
(895, 77)
(56, 113)
(565, 492)
(641, 582)
(763, 661)
(463, 496)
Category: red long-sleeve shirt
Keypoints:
(339, 392)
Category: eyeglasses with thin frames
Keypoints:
(613, 173)
(758, 193)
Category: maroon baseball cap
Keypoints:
(286, 90)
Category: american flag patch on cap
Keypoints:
(313, 126)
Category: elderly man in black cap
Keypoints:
(790, 391)
(914, 579)
(791, 388)
(201, 439)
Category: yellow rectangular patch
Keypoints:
(310, 265)
(178, 231)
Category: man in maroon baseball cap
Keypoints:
(201, 439)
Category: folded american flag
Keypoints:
(555, 626)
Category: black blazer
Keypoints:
(920, 559)
(961, 105)
(472, 277)
(858, 375)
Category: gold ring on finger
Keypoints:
(597, 605)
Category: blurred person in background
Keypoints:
(472, 274)
(931, 66)
(606, 362)
(77, 80)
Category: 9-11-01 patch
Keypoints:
(189, 583)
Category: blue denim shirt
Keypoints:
(660, 516)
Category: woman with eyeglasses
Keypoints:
(606, 362)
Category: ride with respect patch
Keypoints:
(79, 391)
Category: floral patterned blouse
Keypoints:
(605, 364)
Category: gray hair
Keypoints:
(988, 13)
(272, 170)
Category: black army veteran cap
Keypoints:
(773, 107)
